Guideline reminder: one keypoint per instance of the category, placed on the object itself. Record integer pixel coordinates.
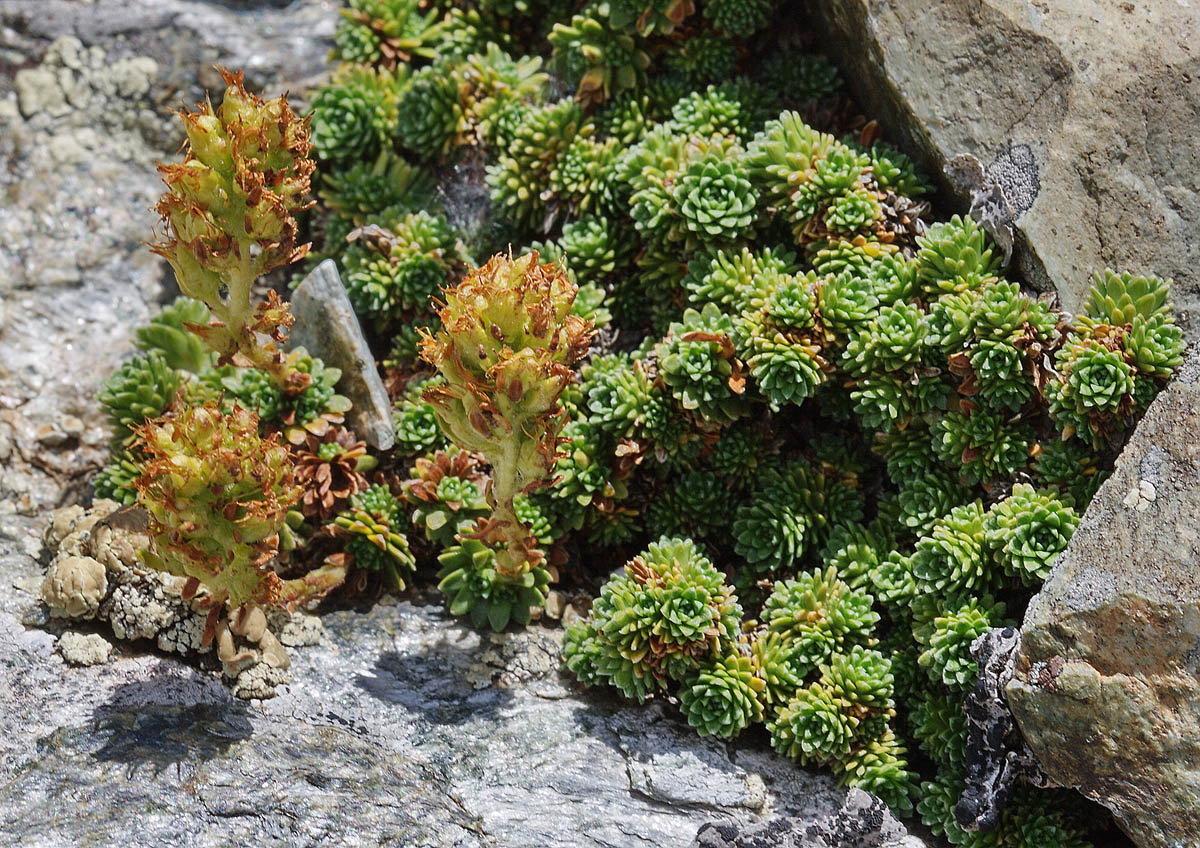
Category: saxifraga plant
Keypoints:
(204, 457)
(506, 350)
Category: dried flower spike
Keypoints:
(217, 494)
(506, 350)
(228, 215)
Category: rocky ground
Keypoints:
(400, 727)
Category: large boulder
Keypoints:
(1083, 112)
(1107, 690)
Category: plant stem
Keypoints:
(510, 559)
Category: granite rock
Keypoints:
(1082, 112)
(1107, 685)
(328, 328)
(401, 726)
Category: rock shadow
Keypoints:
(440, 684)
(167, 721)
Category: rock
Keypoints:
(327, 326)
(83, 648)
(1107, 687)
(997, 755)
(864, 821)
(382, 734)
(1079, 110)
(6, 443)
(556, 604)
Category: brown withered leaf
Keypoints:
(960, 364)
(719, 338)
(737, 381)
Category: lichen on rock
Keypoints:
(95, 572)
(83, 648)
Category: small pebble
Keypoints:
(71, 425)
(1141, 496)
(50, 435)
(555, 604)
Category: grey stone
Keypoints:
(327, 326)
(1107, 686)
(863, 821)
(383, 737)
(1083, 115)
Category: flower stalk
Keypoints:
(229, 217)
(506, 350)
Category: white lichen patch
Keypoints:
(298, 630)
(141, 608)
(509, 659)
(74, 77)
(183, 636)
(251, 657)
(83, 648)
(1141, 496)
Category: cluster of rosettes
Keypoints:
(798, 376)
(669, 619)
(372, 542)
(396, 263)
(1113, 357)
(175, 360)
(830, 696)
